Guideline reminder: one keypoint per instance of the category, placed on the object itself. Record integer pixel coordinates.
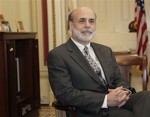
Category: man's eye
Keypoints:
(92, 21)
(81, 21)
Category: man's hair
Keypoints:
(70, 16)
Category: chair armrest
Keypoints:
(58, 106)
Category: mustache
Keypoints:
(87, 30)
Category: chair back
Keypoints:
(126, 62)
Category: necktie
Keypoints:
(93, 64)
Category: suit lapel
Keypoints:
(80, 60)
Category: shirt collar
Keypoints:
(79, 45)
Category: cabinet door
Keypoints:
(25, 92)
(11, 77)
(27, 54)
(35, 64)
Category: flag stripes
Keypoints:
(142, 33)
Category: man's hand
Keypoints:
(117, 97)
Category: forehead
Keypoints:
(84, 13)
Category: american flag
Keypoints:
(142, 33)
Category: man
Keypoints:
(94, 93)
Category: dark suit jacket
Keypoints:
(73, 81)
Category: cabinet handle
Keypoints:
(18, 75)
(11, 49)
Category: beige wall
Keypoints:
(113, 19)
(17, 10)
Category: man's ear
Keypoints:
(70, 25)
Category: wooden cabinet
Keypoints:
(19, 75)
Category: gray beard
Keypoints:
(82, 37)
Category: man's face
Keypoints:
(83, 25)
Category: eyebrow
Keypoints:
(88, 19)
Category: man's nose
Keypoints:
(87, 23)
